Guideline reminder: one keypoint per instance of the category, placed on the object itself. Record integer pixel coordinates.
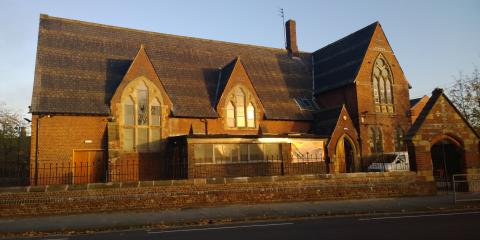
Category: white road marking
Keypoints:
(419, 216)
(220, 228)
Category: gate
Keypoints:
(466, 187)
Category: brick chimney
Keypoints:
(291, 38)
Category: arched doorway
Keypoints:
(447, 159)
(345, 155)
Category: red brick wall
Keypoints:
(359, 97)
(70, 199)
(344, 127)
(366, 108)
(58, 136)
(443, 122)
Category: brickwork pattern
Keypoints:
(442, 122)
(70, 199)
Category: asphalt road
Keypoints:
(458, 226)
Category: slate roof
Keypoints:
(337, 64)
(79, 66)
(223, 77)
(326, 120)
(414, 101)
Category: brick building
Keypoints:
(135, 105)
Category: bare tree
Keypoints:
(465, 94)
(10, 127)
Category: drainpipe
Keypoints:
(205, 122)
(36, 148)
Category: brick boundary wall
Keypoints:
(174, 194)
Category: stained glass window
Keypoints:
(143, 133)
(142, 105)
(382, 85)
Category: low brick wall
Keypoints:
(101, 197)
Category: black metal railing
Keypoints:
(47, 173)
(266, 166)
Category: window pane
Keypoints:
(250, 115)
(375, 90)
(142, 107)
(272, 151)
(243, 152)
(389, 92)
(382, 90)
(240, 107)
(256, 151)
(142, 144)
(128, 139)
(155, 143)
(128, 111)
(232, 151)
(230, 115)
(203, 153)
(155, 115)
(219, 153)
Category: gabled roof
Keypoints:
(337, 64)
(326, 120)
(141, 66)
(436, 94)
(80, 65)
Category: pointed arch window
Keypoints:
(142, 104)
(382, 85)
(375, 140)
(155, 110)
(240, 111)
(141, 119)
(382, 90)
(230, 114)
(399, 139)
(250, 115)
(240, 107)
(129, 112)
(376, 96)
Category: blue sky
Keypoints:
(433, 40)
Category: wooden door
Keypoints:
(340, 156)
(88, 166)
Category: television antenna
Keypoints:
(281, 13)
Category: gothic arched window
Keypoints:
(382, 85)
(250, 115)
(141, 118)
(240, 107)
(230, 115)
(376, 96)
(399, 139)
(388, 92)
(240, 111)
(375, 140)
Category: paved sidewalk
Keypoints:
(231, 213)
